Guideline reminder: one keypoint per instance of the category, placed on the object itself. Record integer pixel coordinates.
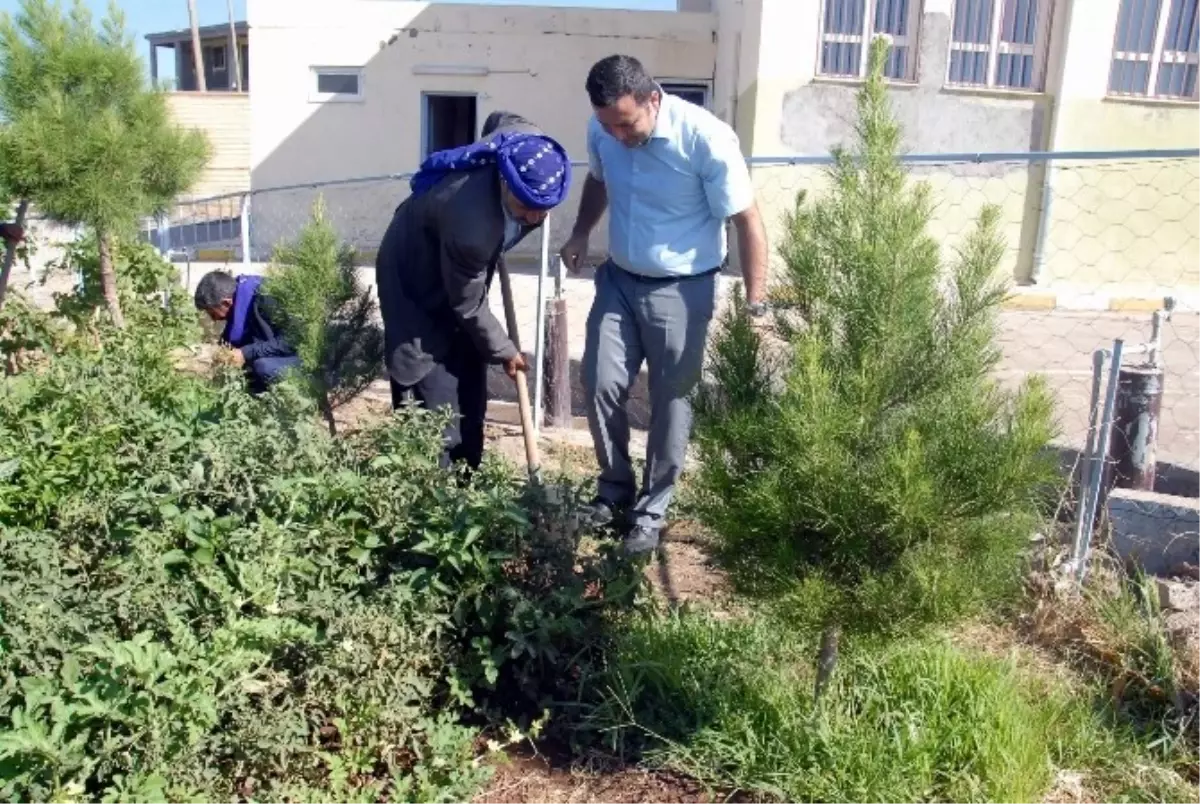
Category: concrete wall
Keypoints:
(1129, 226)
(225, 118)
(786, 109)
(537, 60)
(1112, 227)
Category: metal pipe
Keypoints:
(1089, 452)
(245, 224)
(1161, 316)
(539, 347)
(1097, 477)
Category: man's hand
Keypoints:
(230, 357)
(575, 252)
(514, 364)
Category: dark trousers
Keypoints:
(261, 374)
(459, 384)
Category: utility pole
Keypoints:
(236, 48)
(197, 52)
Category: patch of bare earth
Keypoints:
(530, 779)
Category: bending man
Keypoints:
(468, 207)
(251, 331)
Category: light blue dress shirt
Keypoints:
(668, 199)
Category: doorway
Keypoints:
(449, 121)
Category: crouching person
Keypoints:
(252, 332)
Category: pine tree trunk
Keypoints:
(327, 413)
(108, 279)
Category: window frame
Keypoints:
(912, 41)
(316, 96)
(1155, 58)
(213, 50)
(995, 47)
(668, 85)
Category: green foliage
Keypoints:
(86, 140)
(149, 286)
(731, 703)
(328, 316)
(205, 597)
(878, 448)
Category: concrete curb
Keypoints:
(1046, 300)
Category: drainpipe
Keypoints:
(1043, 225)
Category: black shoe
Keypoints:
(599, 513)
(640, 540)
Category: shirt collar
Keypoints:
(662, 125)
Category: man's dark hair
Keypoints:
(614, 77)
(214, 288)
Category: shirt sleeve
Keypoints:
(595, 166)
(723, 170)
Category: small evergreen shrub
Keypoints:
(327, 314)
(874, 453)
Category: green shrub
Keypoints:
(877, 449)
(205, 596)
(327, 314)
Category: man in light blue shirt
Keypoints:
(670, 174)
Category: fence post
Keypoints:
(539, 338)
(245, 226)
(558, 357)
(164, 234)
(1091, 502)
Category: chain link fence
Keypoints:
(1095, 241)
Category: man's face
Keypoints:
(220, 311)
(630, 122)
(522, 213)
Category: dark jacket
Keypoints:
(263, 337)
(435, 268)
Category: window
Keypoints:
(1155, 53)
(216, 58)
(999, 43)
(449, 122)
(692, 92)
(847, 27)
(337, 84)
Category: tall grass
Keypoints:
(917, 719)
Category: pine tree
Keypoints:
(86, 141)
(328, 316)
(877, 451)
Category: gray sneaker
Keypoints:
(599, 513)
(641, 539)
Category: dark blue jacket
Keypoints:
(253, 327)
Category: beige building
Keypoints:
(366, 88)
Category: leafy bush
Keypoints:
(204, 596)
(878, 452)
(149, 291)
(328, 315)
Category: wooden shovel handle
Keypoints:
(532, 457)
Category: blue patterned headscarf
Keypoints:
(535, 167)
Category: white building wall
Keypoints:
(536, 61)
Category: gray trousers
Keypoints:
(664, 323)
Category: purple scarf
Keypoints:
(243, 297)
(535, 167)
